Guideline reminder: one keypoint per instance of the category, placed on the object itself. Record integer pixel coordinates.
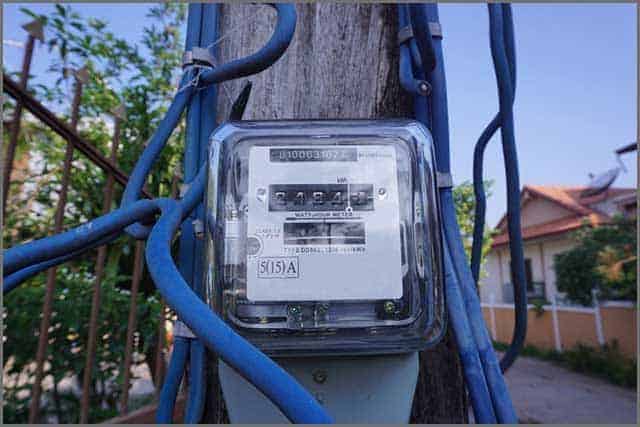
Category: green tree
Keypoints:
(465, 203)
(144, 82)
(603, 258)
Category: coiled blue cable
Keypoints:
(24, 261)
(186, 257)
(467, 350)
(13, 280)
(206, 125)
(80, 237)
(274, 382)
(252, 64)
(509, 152)
(481, 145)
(262, 59)
(438, 119)
(203, 30)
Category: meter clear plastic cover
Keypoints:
(323, 236)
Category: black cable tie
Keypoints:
(240, 104)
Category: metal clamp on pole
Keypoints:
(182, 330)
(444, 180)
(198, 56)
(405, 34)
(435, 29)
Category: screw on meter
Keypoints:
(320, 234)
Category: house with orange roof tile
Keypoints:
(549, 216)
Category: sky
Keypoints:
(576, 99)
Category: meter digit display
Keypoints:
(320, 197)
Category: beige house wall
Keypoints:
(538, 211)
(550, 248)
(541, 252)
(491, 278)
(496, 270)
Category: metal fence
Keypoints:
(75, 143)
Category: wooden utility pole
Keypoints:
(342, 63)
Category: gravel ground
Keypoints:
(544, 392)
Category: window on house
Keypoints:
(535, 290)
(528, 274)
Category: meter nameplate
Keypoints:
(323, 223)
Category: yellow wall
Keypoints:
(621, 324)
(575, 326)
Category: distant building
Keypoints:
(549, 215)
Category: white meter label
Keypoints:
(323, 223)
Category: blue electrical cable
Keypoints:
(438, 120)
(468, 352)
(186, 251)
(262, 59)
(206, 124)
(503, 406)
(417, 87)
(171, 385)
(274, 382)
(15, 279)
(29, 259)
(195, 399)
(481, 145)
(509, 152)
(190, 265)
(252, 64)
(204, 33)
(432, 116)
(54, 246)
(293, 400)
(152, 151)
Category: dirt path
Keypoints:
(547, 393)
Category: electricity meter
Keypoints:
(323, 236)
